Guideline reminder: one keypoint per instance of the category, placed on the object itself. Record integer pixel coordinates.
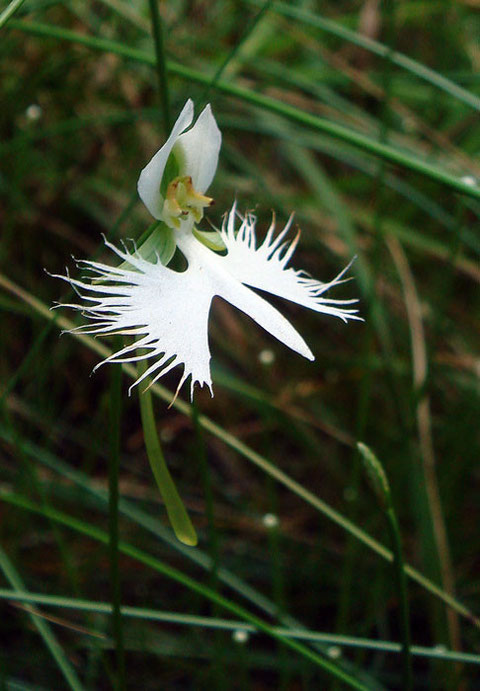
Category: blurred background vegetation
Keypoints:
(363, 118)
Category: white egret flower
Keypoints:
(173, 184)
(167, 311)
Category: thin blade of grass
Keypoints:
(113, 496)
(9, 11)
(232, 625)
(43, 628)
(367, 144)
(399, 59)
(156, 564)
(157, 31)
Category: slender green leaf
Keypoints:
(371, 146)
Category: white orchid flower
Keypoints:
(173, 184)
(167, 311)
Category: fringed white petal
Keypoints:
(168, 311)
(265, 267)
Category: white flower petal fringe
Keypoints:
(168, 311)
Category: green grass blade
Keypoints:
(237, 47)
(148, 614)
(399, 59)
(157, 31)
(9, 11)
(363, 142)
(381, 490)
(42, 626)
(143, 557)
(113, 495)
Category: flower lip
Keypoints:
(196, 152)
(168, 312)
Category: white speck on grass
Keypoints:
(34, 112)
(334, 651)
(440, 648)
(240, 636)
(270, 521)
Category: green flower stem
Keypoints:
(219, 665)
(363, 142)
(114, 467)
(157, 31)
(401, 585)
(381, 489)
(179, 519)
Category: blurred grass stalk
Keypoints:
(9, 11)
(42, 626)
(381, 490)
(161, 67)
(436, 532)
(113, 475)
(365, 143)
(219, 624)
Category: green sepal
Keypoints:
(160, 243)
(157, 241)
(210, 238)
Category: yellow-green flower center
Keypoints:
(183, 200)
